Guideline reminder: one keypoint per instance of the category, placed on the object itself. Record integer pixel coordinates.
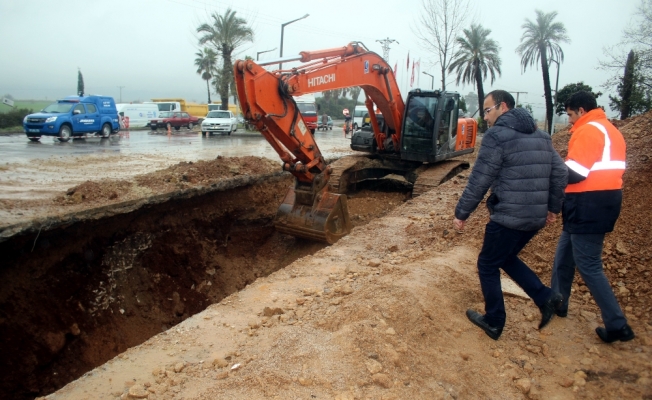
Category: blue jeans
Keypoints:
(585, 251)
(500, 250)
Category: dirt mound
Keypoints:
(177, 177)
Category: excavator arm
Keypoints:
(266, 99)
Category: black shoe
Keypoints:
(549, 307)
(623, 334)
(478, 319)
(561, 313)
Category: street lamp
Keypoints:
(552, 130)
(432, 80)
(258, 53)
(280, 65)
(120, 87)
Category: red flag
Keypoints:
(412, 78)
(408, 63)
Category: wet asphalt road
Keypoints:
(182, 145)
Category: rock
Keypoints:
(588, 315)
(345, 396)
(465, 356)
(374, 263)
(534, 394)
(564, 360)
(138, 392)
(373, 366)
(74, 329)
(390, 331)
(644, 381)
(621, 249)
(179, 367)
(220, 362)
(393, 356)
(566, 382)
(580, 374)
(55, 341)
(222, 375)
(382, 380)
(528, 368)
(523, 385)
(586, 361)
(580, 382)
(622, 290)
(269, 312)
(344, 289)
(305, 381)
(495, 354)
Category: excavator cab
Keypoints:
(430, 126)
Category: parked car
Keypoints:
(173, 119)
(329, 124)
(74, 116)
(219, 121)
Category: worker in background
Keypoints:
(527, 179)
(324, 121)
(347, 122)
(596, 164)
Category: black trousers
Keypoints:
(500, 250)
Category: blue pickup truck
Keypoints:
(74, 116)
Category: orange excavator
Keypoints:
(413, 139)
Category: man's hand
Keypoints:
(551, 218)
(459, 224)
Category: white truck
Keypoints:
(136, 115)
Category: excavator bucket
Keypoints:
(326, 220)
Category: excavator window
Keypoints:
(420, 124)
(447, 127)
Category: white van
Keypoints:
(358, 114)
(137, 115)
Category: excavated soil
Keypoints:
(378, 315)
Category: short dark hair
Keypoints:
(501, 96)
(583, 99)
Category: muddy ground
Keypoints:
(378, 315)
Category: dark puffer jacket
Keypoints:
(526, 175)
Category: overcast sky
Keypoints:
(135, 50)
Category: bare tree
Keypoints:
(637, 37)
(441, 23)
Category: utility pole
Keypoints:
(385, 43)
(517, 93)
(554, 107)
(120, 87)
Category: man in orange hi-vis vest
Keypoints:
(596, 164)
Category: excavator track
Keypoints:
(432, 175)
(339, 171)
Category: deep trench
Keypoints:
(74, 297)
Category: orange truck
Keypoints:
(417, 138)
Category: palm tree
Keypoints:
(476, 58)
(540, 41)
(226, 33)
(205, 63)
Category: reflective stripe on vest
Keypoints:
(605, 163)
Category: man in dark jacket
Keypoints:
(527, 179)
